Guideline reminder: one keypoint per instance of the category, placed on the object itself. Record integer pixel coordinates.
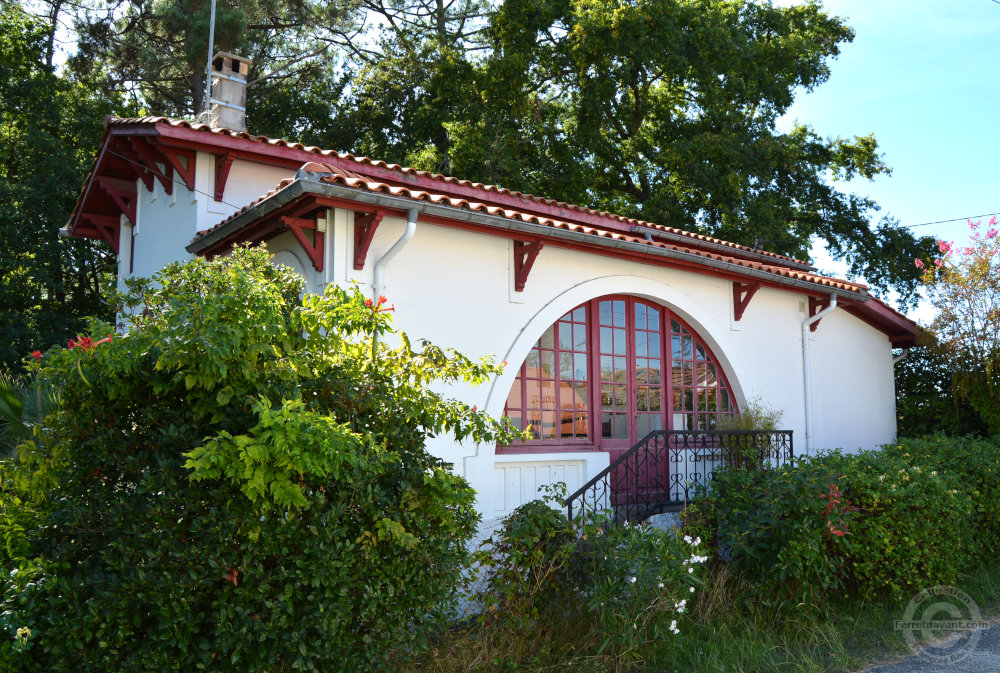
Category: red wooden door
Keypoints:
(629, 336)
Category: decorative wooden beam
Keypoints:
(142, 172)
(525, 253)
(151, 159)
(742, 294)
(223, 162)
(365, 225)
(174, 156)
(815, 306)
(106, 226)
(122, 193)
(314, 249)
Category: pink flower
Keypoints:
(37, 355)
(919, 263)
(939, 263)
(382, 299)
(992, 233)
(966, 251)
(974, 224)
(369, 303)
(944, 247)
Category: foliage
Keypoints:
(21, 408)
(755, 416)
(925, 399)
(640, 582)
(975, 463)
(240, 483)
(869, 524)
(48, 129)
(963, 286)
(527, 564)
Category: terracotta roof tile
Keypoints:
(331, 175)
(365, 161)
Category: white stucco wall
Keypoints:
(456, 288)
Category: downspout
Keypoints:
(807, 367)
(411, 228)
(906, 351)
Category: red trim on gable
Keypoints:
(525, 253)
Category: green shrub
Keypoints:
(239, 483)
(526, 564)
(976, 465)
(640, 583)
(864, 524)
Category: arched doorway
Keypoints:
(609, 372)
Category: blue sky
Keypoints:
(924, 77)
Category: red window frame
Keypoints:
(672, 374)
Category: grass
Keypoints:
(725, 632)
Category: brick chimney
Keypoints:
(229, 91)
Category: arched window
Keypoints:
(609, 372)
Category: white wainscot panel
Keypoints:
(519, 482)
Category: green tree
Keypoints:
(240, 483)
(925, 397)
(49, 126)
(668, 111)
(963, 286)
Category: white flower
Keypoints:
(691, 589)
(680, 605)
(673, 627)
(632, 580)
(690, 570)
(660, 585)
(687, 538)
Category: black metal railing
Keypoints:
(667, 468)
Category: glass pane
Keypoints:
(702, 400)
(713, 422)
(700, 352)
(620, 344)
(654, 345)
(620, 373)
(654, 372)
(534, 395)
(702, 371)
(606, 399)
(565, 365)
(566, 428)
(642, 425)
(640, 344)
(688, 400)
(619, 313)
(568, 316)
(688, 369)
(582, 424)
(640, 315)
(680, 422)
(686, 352)
(515, 418)
(534, 424)
(604, 308)
(606, 340)
(580, 314)
(607, 368)
(514, 397)
(676, 374)
(580, 367)
(641, 370)
(548, 425)
(724, 401)
(548, 368)
(712, 399)
(606, 425)
(654, 399)
(580, 395)
(548, 338)
(621, 399)
(702, 422)
(642, 399)
(678, 402)
(580, 337)
(621, 426)
(656, 422)
(675, 326)
(652, 319)
(565, 336)
(566, 396)
(675, 344)
(532, 362)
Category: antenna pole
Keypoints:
(208, 73)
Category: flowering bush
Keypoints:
(963, 285)
(239, 483)
(640, 583)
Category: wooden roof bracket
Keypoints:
(742, 294)
(223, 162)
(815, 306)
(124, 198)
(525, 253)
(314, 248)
(365, 225)
(173, 156)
